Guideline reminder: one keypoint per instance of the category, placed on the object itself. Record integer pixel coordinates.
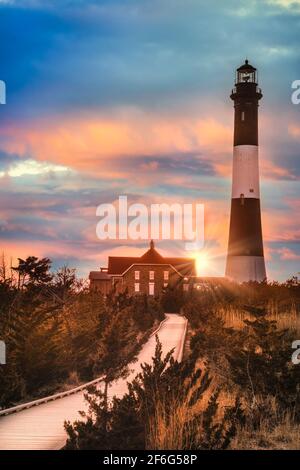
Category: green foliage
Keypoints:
(260, 362)
(125, 422)
(255, 360)
(145, 310)
(55, 328)
(172, 299)
(217, 434)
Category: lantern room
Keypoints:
(246, 74)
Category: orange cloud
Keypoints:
(288, 254)
(93, 143)
(97, 143)
(294, 131)
(269, 170)
(280, 225)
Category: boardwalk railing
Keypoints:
(57, 396)
(182, 342)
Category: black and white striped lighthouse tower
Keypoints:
(245, 258)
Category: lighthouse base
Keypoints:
(246, 268)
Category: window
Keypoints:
(137, 275)
(243, 115)
(151, 275)
(166, 275)
(137, 287)
(185, 287)
(165, 284)
(151, 288)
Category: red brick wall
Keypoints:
(129, 278)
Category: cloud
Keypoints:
(113, 97)
(271, 170)
(288, 254)
(96, 144)
(114, 145)
(32, 167)
(294, 131)
(289, 4)
(137, 53)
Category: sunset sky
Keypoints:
(114, 97)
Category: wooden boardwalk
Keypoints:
(41, 427)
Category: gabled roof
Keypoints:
(152, 256)
(117, 265)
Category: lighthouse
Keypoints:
(245, 258)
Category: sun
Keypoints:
(202, 262)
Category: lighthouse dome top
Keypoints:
(246, 67)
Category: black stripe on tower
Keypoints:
(245, 232)
(246, 96)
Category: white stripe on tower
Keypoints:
(245, 173)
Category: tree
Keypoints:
(33, 271)
(114, 353)
(35, 348)
(64, 282)
(172, 299)
(158, 392)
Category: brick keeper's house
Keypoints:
(147, 274)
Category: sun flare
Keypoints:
(202, 262)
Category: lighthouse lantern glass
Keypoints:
(246, 76)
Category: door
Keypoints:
(151, 288)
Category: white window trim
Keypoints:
(137, 275)
(136, 287)
(166, 275)
(151, 275)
